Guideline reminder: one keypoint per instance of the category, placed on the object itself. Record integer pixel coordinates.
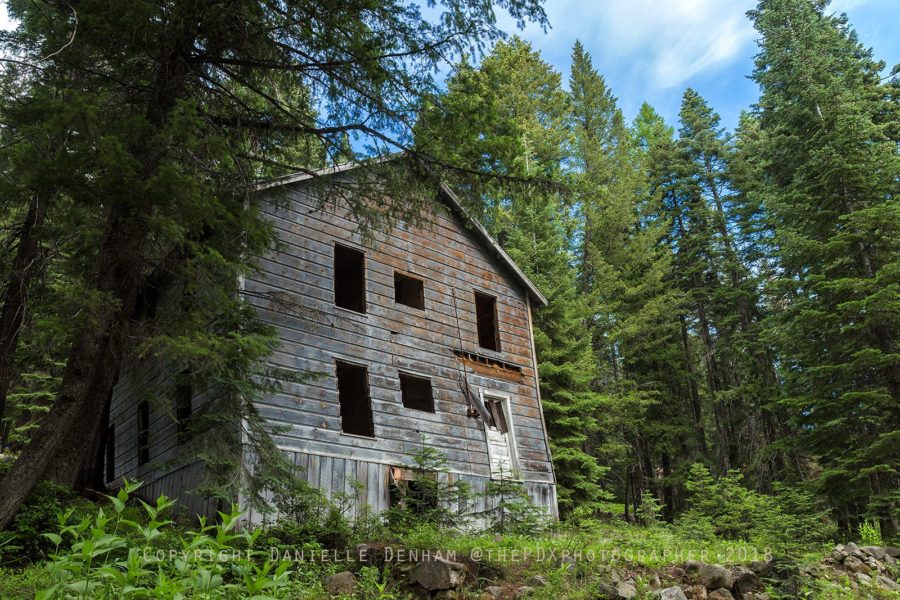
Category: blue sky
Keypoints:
(651, 50)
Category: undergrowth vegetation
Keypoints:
(127, 548)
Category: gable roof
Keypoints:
(449, 198)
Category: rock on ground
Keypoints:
(886, 583)
(440, 574)
(341, 584)
(874, 551)
(855, 565)
(744, 580)
(714, 577)
(720, 594)
(626, 590)
(672, 593)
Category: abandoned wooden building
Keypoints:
(422, 333)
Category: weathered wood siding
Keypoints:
(367, 484)
(153, 381)
(294, 291)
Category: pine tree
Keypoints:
(514, 111)
(831, 163)
(177, 109)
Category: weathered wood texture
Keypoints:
(293, 290)
(153, 381)
(367, 485)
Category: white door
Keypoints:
(500, 436)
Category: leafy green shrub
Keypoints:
(431, 496)
(307, 519)
(513, 511)
(110, 556)
(375, 585)
(22, 542)
(788, 520)
(870, 534)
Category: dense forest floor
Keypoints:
(125, 548)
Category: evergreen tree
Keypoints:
(514, 111)
(177, 109)
(830, 155)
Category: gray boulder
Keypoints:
(853, 550)
(440, 574)
(626, 590)
(855, 565)
(606, 592)
(892, 552)
(672, 593)
(763, 567)
(720, 594)
(877, 552)
(886, 583)
(341, 584)
(744, 580)
(713, 577)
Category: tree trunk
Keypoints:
(25, 269)
(696, 407)
(67, 438)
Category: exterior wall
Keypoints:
(293, 290)
(335, 475)
(153, 381)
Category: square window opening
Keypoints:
(416, 392)
(353, 395)
(349, 278)
(486, 314)
(409, 291)
(143, 438)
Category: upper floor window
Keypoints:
(349, 278)
(409, 291)
(486, 313)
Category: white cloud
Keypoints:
(672, 40)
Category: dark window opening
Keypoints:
(416, 392)
(353, 395)
(495, 407)
(349, 278)
(111, 453)
(486, 313)
(184, 395)
(143, 433)
(409, 291)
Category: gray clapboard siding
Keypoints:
(292, 289)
